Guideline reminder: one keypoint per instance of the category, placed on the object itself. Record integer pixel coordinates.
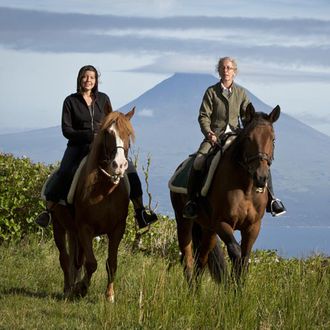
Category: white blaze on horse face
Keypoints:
(119, 164)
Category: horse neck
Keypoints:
(230, 172)
(91, 181)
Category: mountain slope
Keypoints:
(167, 130)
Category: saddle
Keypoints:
(72, 190)
(179, 180)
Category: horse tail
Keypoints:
(216, 261)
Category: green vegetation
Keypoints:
(20, 185)
(151, 292)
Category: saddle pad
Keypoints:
(75, 181)
(179, 180)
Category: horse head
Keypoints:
(256, 144)
(113, 142)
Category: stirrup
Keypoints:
(44, 219)
(145, 219)
(190, 210)
(277, 208)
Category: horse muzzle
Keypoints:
(260, 182)
(114, 172)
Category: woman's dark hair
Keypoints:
(81, 73)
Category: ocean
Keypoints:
(298, 242)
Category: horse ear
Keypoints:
(130, 114)
(107, 108)
(249, 112)
(275, 114)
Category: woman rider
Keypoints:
(82, 115)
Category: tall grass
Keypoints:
(151, 293)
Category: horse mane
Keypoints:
(124, 126)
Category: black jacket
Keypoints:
(79, 124)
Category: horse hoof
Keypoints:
(80, 290)
(67, 294)
(110, 299)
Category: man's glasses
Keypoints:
(223, 68)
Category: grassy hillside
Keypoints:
(152, 294)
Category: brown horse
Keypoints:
(236, 199)
(100, 207)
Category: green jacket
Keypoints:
(217, 110)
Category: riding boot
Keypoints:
(190, 210)
(274, 205)
(45, 217)
(143, 217)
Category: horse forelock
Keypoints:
(259, 119)
(123, 125)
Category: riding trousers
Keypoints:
(202, 152)
(59, 186)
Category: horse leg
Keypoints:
(249, 236)
(85, 239)
(226, 233)
(111, 263)
(211, 254)
(76, 258)
(65, 262)
(184, 232)
(203, 242)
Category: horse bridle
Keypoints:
(108, 158)
(260, 155)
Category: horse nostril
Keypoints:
(114, 164)
(260, 181)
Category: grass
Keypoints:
(151, 293)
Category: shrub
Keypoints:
(20, 185)
(21, 182)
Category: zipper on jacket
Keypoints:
(91, 113)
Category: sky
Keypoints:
(282, 48)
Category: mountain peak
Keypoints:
(192, 75)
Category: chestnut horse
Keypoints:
(100, 207)
(236, 199)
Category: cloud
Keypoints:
(287, 47)
(146, 112)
